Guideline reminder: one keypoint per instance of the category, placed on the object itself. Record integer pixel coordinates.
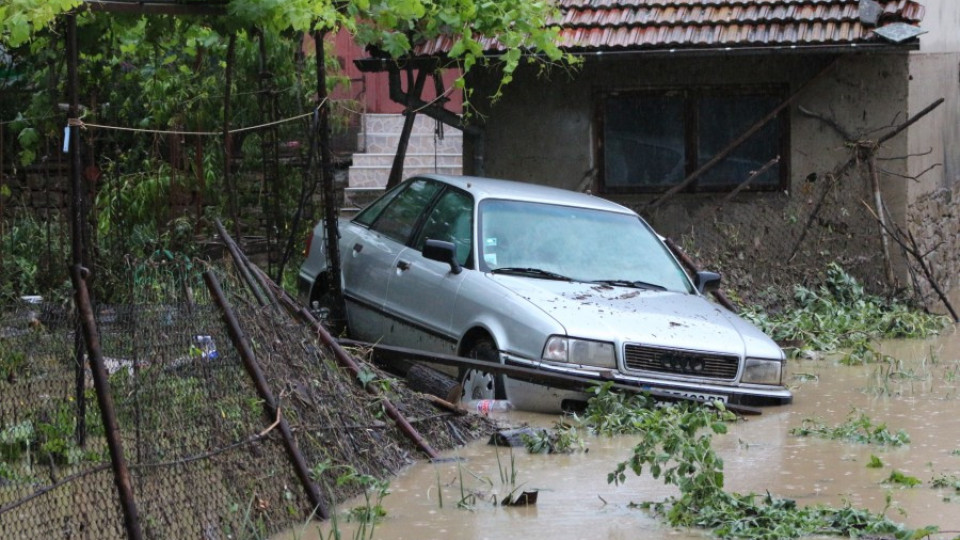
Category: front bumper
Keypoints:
(735, 393)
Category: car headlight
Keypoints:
(580, 351)
(759, 371)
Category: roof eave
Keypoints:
(375, 64)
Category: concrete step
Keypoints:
(377, 177)
(381, 143)
(356, 199)
(393, 123)
(361, 161)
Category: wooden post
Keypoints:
(77, 217)
(232, 195)
(881, 216)
(330, 212)
(414, 90)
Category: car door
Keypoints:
(422, 293)
(370, 258)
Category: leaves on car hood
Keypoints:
(652, 317)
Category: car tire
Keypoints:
(324, 307)
(477, 384)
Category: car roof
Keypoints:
(494, 188)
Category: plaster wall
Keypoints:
(933, 214)
(543, 130)
(941, 22)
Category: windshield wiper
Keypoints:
(532, 272)
(628, 283)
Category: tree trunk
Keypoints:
(430, 381)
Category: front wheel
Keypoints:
(324, 306)
(479, 384)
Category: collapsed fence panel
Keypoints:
(204, 459)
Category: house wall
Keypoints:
(934, 211)
(542, 130)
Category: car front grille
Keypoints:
(688, 363)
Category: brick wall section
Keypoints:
(37, 190)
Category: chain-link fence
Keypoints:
(764, 246)
(205, 460)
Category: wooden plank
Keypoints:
(156, 7)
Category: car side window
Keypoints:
(399, 219)
(450, 220)
(370, 214)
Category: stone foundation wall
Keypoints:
(934, 222)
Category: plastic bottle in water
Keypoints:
(487, 406)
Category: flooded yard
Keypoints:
(914, 389)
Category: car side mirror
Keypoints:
(706, 281)
(446, 252)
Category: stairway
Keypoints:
(378, 139)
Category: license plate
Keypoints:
(696, 395)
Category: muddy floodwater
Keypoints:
(917, 389)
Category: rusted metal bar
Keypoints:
(752, 130)
(557, 380)
(101, 384)
(263, 389)
(344, 359)
(692, 266)
(241, 267)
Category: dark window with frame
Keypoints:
(652, 140)
(450, 220)
(401, 214)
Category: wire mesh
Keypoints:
(765, 246)
(205, 460)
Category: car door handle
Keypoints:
(403, 266)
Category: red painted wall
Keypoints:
(372, 89)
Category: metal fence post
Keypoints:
(263, 389)
(101, 384)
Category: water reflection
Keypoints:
(916, 390)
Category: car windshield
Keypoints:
(549, 241)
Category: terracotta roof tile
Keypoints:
(598, 25)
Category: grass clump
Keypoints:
(840, 314)
(900, 479)
(562, 439)
(858, 428)
(676, 447)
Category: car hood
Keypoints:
(654, 318)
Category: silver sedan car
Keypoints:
(543, 278)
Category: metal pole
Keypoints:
(76, 210)
(121, 475)
(263, 389)
(326, 175)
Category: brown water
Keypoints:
(919, 392)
